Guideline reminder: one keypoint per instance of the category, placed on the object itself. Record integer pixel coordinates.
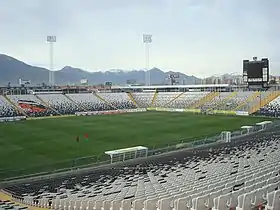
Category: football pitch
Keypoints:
(35, 144)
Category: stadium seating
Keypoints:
(164, 97)
(272, 109)
(6, 109)
(89, 102)
(25, 100)
(217, 103)
(59, 104)
(118, 100)
(10, 205)
(143, 100)
(237, 100)
(69, 104)
(187, 99)
(243, 175)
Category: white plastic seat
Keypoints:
(200, 202)
(106, 205)
(138, 204)
(273, 202)
(126, 204)
(77, 205)
(221, 202)
(165, 203)
(90, 205)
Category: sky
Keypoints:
(196, 37)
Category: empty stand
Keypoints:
(243, 174)
(7, 109)
(59, 104)
(154, 99)
(272, 108)
(221, 101)
(204, 99)
(263, 101)
(118, 101)
(6, 204)
(237, 101)
(31, 105)
(144, 100)
(54, 102)
(187, 99)
(132, 99)
(216, 102)
(164, 98)
(245, 105)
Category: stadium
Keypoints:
(139, 105)
(140, 147)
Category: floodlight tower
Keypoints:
(147, 39)
(51, 40)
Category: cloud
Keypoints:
(198, 36)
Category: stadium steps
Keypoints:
(74, 102)
(5, 196)
(15, 106)
(132, 99)
(203, 100)
(154, 99)
(105, 101)
(224, 101)
(247, 101)
(46, 104)
(176, 97)
(257, 105)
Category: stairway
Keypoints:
(132, 99)
(224, 101)
(247, 101)
(203, 100)
(74, 102)
(169, 102)
(154, 99)
(46, 104)
(265, 99)
(19, 109)
(105, 101)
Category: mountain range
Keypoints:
(11, 70)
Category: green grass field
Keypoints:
(47, 142)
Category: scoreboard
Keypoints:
(256, 72)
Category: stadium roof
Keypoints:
(171, 86)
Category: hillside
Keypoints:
(12, 69)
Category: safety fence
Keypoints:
(186, 143)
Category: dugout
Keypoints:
(121, 155)
(264, 124)
(248, 128)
